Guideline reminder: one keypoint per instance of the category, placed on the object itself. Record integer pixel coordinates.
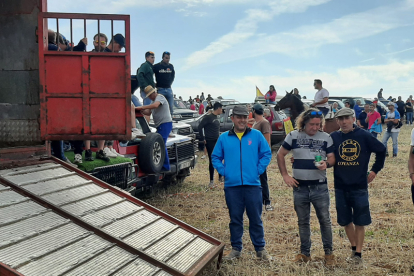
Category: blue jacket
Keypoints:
(244, 161)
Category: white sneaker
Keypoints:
(202, 157)
(137, 133)
(109, 153)
(115, 152)
(78, 159)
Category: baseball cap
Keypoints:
(120, 39)
(258, 109)
(217, 105)
(390, 103)
(345, 111)
(240, 110)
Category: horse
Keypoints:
(294, 103)
(297, 106)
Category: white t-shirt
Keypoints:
(323, 93)
(412, 137)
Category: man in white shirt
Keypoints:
(321, 97)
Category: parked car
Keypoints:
(278, 129)
(148, 153)
(340, 103)
(182, 112)
(352, 100)
(225, 102)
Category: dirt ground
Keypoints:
(389, 242)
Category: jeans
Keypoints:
(394, 137)
(210, 147)
(145, 101)
(318, 195)
(168, 94)
(249, 198)
(324, 110)
(58, 151)
(270, 102)
(164, 130)
(265, 188)
(409, 117)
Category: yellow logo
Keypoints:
(349, 150)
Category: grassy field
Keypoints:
(389, 240)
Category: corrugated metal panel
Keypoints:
(39, 242)
(20, 211)
(189, 255)
(112, 213)
(8, 197)
(67, 258)
(109, 211)
(138, 267)
(105, 264)
(91, 204)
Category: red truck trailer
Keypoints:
(54, 218)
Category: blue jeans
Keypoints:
(168, 94)
(394, 137)
(58, 151)
(318, 195)
(324, 110)
(352, 206)
(145, 101)
(164, 130)
(409, 117)
(249, 198)
(270, 102)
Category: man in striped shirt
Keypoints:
(309, 181)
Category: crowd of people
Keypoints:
(347, 151)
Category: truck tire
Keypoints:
(151, 153)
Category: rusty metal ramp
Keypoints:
(57, 220)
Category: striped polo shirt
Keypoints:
(304, 149)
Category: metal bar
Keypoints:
(71, 34)
(99, 36)
(61, 15)
(8, 271)
(84, 27)
(128, 74)
(85, 93)
(112, 35)
(55, 53)
(89, 227)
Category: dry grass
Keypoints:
(389, 243)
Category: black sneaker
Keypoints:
(101, 155)
(394, 155)
(88, 155)
(386, 154)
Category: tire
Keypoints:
(151, 153)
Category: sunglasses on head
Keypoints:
(316, 114)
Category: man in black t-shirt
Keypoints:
(409, 112)
(401, 107)
(164, 77)
(362, 116)
(210, 124)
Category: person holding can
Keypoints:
(313, 153)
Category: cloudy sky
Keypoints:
(227, 47)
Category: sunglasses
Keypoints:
(316, 114)
(102, 42)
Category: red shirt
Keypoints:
(372, 117)
(201, 109)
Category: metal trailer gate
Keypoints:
(58, 220)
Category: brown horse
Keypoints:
(294, 103)
(297, 106)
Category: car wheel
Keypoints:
(151, 153)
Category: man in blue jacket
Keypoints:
(353, 148)
(246, 155)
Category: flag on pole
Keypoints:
(258, 93)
